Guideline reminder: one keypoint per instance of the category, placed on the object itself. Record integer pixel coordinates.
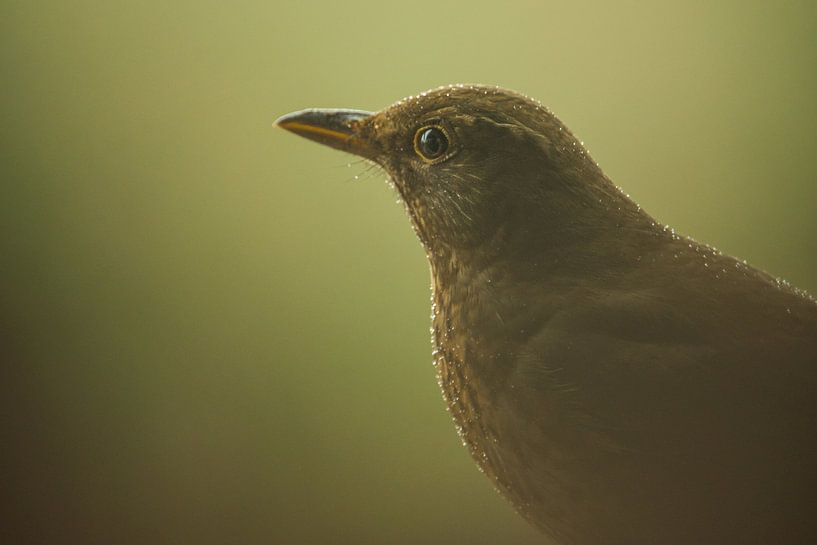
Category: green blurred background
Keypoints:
(211, 332)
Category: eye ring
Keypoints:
(432, 143)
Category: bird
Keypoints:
(619, 383)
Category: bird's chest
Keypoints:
(462, 350)
(467, 397)
(515, 433)
(475, 355)
(503, 438)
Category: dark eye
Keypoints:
(431, 143)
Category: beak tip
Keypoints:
(284, 120)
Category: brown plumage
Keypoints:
(619, 384)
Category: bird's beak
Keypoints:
(339, 129)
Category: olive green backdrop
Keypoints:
(213, 332)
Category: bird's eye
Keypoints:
(431, 143)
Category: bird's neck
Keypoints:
(525, 269)
(492, 297)
(549, 236)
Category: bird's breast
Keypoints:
(479, 341)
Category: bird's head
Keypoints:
(476, 166)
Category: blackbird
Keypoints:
(618, 383)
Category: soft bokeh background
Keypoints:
(211, 333)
